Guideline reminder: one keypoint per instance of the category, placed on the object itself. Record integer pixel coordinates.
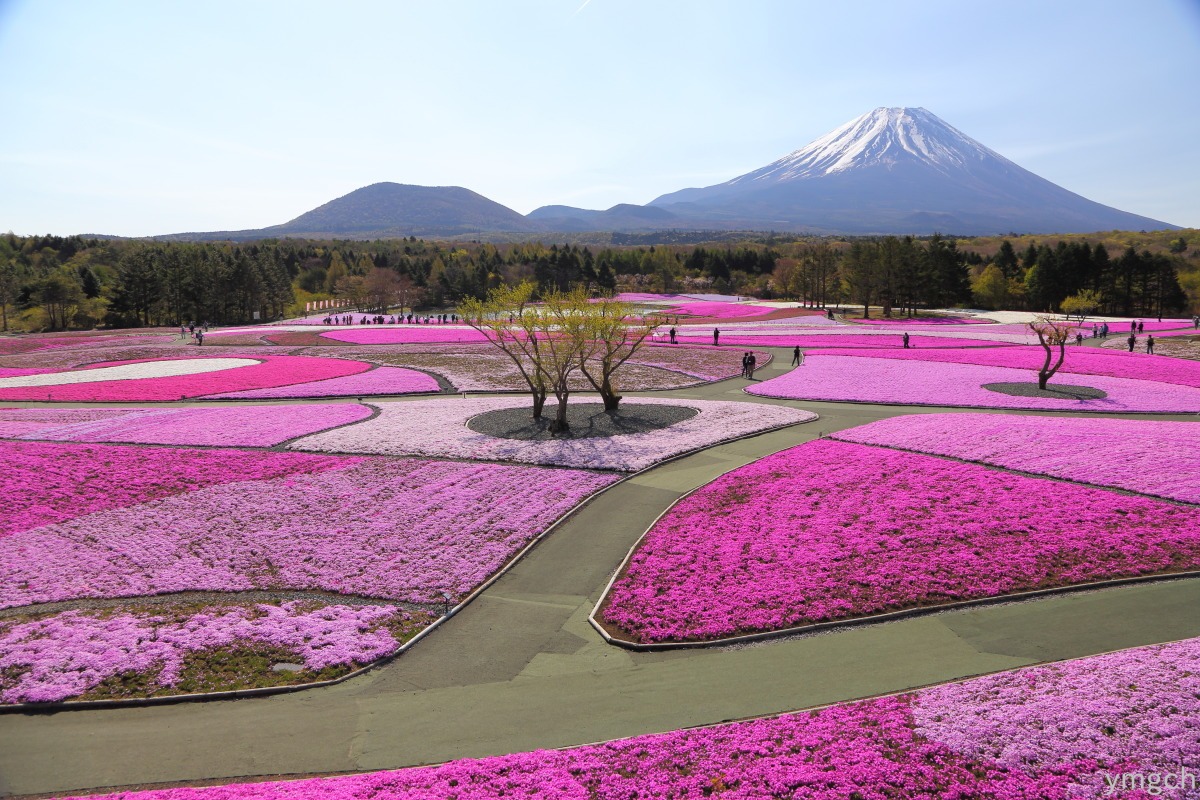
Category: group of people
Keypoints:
(1132, 342)
(193, 330)
(749, 362)
(402, 319)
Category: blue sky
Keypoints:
(140, 118)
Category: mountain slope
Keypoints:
(898, 170)
(403, 209)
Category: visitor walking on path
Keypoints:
(751, 362)
(1150, 344)
(199, 338)
(906, 341)
(745, 363)
(796, 356)
(1132, 341)
(716, 336)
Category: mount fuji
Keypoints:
(892, 171)
(896, 170)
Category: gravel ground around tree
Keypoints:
(586, 421)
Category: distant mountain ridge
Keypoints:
(890, 171)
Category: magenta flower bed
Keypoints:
(405, 334)
(701, 308)
(1131, 711)
(47, 483)
(830, 530)
(109, 521)
(65, 655)
(1150, 457)
(271, 371)
(863, 379)
(955, 741)
(902, 323)
(378, 381)
(245, 426)
(1079, 360)
(1122, 326)
(809, 339)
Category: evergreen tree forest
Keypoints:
(59, 283)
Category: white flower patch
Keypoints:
(438, 428)
(127, 372)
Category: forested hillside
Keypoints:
(51, 282)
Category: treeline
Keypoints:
(1042, 278)
(71, 282)
(898, 274)
(49, 282)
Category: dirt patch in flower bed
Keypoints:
(586, 420)
(163, 649)
(1056, 391)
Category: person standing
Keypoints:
(1132, 340)
(716, 336)
(673, 337)
(1150, 344)
(745, 364)
(796, 356)
(906, 340)
(199, 338)
(751, 361)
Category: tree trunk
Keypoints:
(539, 402)
(560, 424)
(608, 394)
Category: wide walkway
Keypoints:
(521, 668)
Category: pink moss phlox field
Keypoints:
(830, 530)
(244, 426)
(378, 381)
(1077, 360)
(404, 429)
(404, 334)
(45, 483)
(864, 379)
(705, 362)
(699, 308)
(946, 742)
(810, 339)
(1146, 456)
(1136, 707)
(70, 653)
(1121, 327)
(271, 371)
(917, 321)
(401, 529)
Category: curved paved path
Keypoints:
(521, 668)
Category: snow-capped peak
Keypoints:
(884, 136)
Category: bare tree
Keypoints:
(1051, 334)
